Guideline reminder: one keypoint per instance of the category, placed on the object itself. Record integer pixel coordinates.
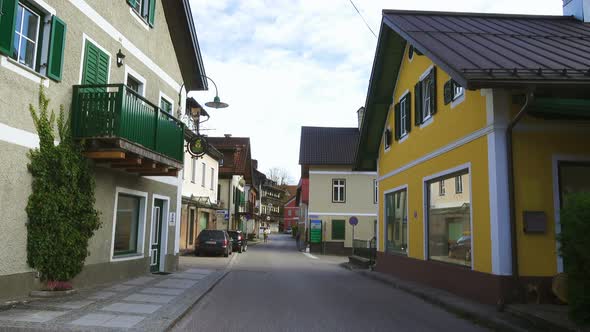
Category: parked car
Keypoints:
(239, 241)
(212, 241)
(461, 249)
(289, 231)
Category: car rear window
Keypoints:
(211, 234)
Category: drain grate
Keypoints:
(162, 273)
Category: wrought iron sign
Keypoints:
(197, 146)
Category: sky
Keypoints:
(283, 64)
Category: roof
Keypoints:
(486, 50)
(186, 45)
(328, 146)
(291, 190)
(477, 51)
(238, 149)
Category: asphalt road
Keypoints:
(273, 287)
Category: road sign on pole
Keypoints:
(353, 221)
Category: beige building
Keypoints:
(142, 54)
(336, 192)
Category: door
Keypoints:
(203, 221)
(156, 235)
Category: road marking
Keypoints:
(309, 255)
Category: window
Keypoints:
(203, 173)
(402, 111)
(338, 229)
(387, 138)
(165, 105)
(452, 91)
(449, 225)
(26, 38)
(289, 213)
(441, 188)
(396, 218)
(338, 191)
(212, 177)
(458, 184)
(194, 170)
(425, 98)
(221, 162)
(375, 191)
(145, 9)
(127, 224)
(135, 84)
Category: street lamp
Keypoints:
(216, 103)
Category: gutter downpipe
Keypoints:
(529, 97)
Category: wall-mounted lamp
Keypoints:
(120, 57)
(216, 103)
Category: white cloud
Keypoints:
(282, 64)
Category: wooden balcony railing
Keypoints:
(116, 111)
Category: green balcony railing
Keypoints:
(116, 111)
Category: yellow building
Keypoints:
(477, 125)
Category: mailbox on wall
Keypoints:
(535, 222)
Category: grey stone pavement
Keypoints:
(276, 288)
(147, 303)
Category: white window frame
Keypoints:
(459, 184)
(164, 234)
(21, 36)
(203, 174)
(338, 184)
(375, 191)
(212, 177)
(442, 190)
(136, 76)
(168, 99)
(194, 170)
(426, 99)
(143, 196)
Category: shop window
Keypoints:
(449, 225)
(396, 216)
(127, 225)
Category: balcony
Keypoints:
(123, 129)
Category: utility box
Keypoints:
(535, 222)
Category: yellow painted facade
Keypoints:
(459, 135)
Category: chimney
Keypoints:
(227, 135)
(254, 163)
(580, 9)
(361, 114)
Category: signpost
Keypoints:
(315, 231)
(353, 221)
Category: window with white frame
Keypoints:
(203, 174)
(338, 191)
(403, 117)
(212, 177)
(441, 188)
(425, 97)
(403, 123)
(135, 84)
(458, 184)
(26, 39)
(452, 91)
(127, 225)
(375, 191)
(165, 105)
(194, 170)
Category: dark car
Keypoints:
(212, 241)
(239, 241)
(461, 249)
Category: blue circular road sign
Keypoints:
(353, 221)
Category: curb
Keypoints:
(495, 323)
(206, 292)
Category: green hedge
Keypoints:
(575, 249)
(60, 209)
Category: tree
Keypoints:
(60, 209)
(279, 175)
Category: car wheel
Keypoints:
(226, 253)
(240, 250)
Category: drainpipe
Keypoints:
(529, 97)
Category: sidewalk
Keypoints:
(482, 314)
(147, 303)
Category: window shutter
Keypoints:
(433, 90)
(132, 3)
(448, 91)
(56, 49)
(408, 111)
(152, 13)
(396, 125)
(7, 22)
(418, 103)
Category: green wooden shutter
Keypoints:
(7, 22)
(338, 229)
(96, 66)
(152, 13)
(397, 117)
(448, 91)
(408, 111)
(418, 103)
(433, 90)
(132, 3)
(56, 49)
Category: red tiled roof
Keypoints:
(237, 150)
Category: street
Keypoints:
(273, 287)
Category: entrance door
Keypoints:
(156, 235)
(203, 221)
